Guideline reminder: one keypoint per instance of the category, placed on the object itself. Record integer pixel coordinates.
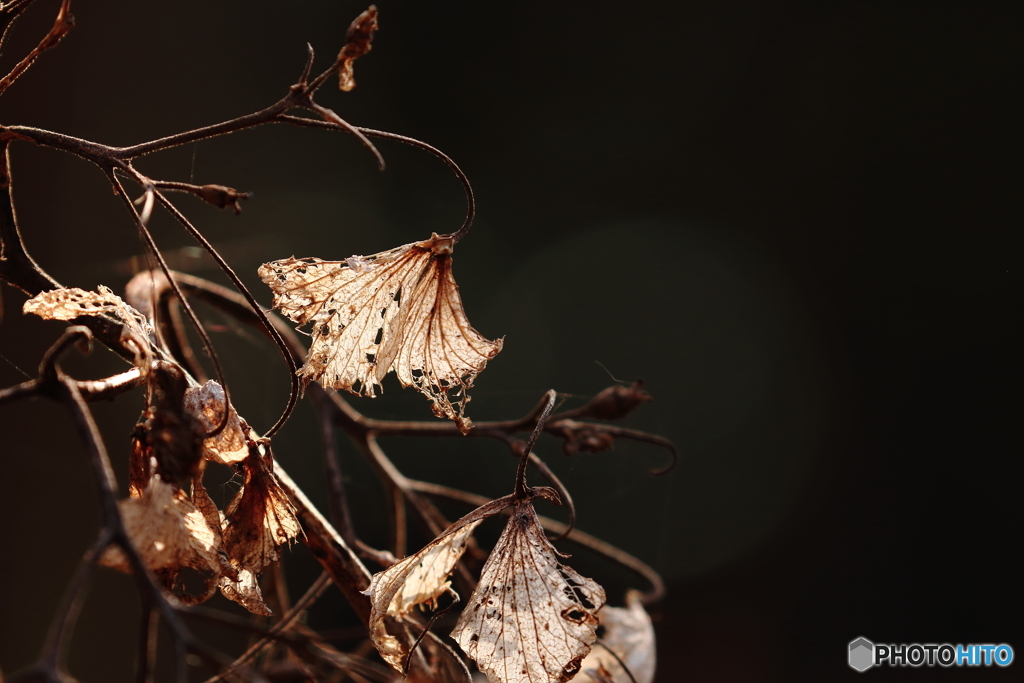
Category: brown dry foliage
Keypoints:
(529, 618)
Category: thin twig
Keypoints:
(287, 619)
(413, 142)
(520, 492)
(61, 25)
(293, 395)
(91, 390)
(150, 243)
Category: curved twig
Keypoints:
(413, 142)
(293, 395)
(520, 492)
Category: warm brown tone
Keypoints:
(169, 529)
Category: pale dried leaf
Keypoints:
(246, 592)
(70, 303)
(418, 579)
(629, 633)
(397, 310)
(259, 520)
(170, 535)
(215, 521)
(531, 619)
(229, 447)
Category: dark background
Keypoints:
(799, 222)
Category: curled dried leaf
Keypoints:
(531, 619)
(418, 579)
(206, 403)
(259, 519)
(629, 633)
(171, 536)
(397, 310)
(357, 43)
(70, 303)
(245, 590)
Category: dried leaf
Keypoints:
(215, 521)
(70, 303)
(629, 633)
(246, 592)
(531, 619)
(229, 447)
(418, 579)
(260, 518)
(397, 310)
(357, 44)
(170, 535)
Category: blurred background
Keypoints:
(798, 222)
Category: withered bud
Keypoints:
(357, 43)
(615, 402)
(581, 437)
(223, 197)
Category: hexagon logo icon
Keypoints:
(862, 654)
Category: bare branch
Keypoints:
(61, 25)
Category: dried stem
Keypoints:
(520, 492)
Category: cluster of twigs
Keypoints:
(160, 293)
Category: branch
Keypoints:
(61, 25)
(91, 390)
(330, 549)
